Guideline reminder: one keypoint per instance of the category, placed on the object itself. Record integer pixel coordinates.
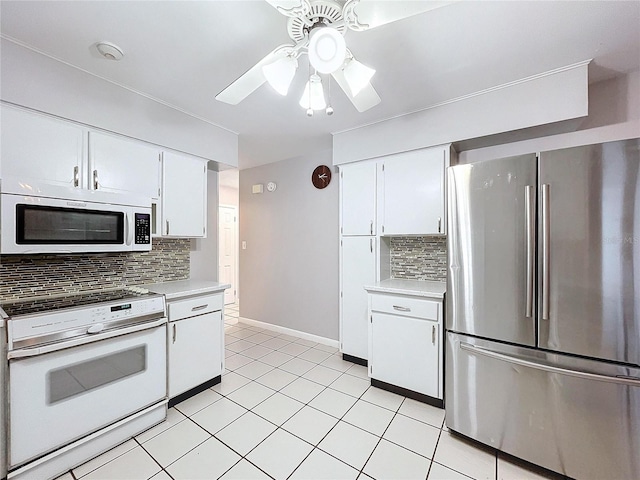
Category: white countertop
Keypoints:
(400, 286)
(186, 288)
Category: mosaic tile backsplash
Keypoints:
(39, 275)
(419, 258)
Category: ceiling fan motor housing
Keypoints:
(322, 13)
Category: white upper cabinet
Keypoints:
(358, 198)
(38, 148)
(414, 192)
(184, 196)
(121, 165)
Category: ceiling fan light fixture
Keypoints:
(357, 76)
(313, 96)
(280, 73)
(327, 49)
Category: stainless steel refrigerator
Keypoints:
(543, 308)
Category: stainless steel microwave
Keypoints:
(53, 220)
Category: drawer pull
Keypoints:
(199, 307)
(401, 309)
(433, 334)
(174, 334)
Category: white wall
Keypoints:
(289, 271)
(39, 82)
(204, 251)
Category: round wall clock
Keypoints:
(321, 176)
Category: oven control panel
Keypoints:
(79, 319)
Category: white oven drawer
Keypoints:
(406, 306)
(194, 306)
(62, 396)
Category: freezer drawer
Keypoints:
(577, 417)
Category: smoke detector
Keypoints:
(109, 51)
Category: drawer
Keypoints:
(193, 306)
(406, 306)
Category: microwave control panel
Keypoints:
(143, 228)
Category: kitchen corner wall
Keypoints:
(24, 276)
(289, 270)
(204, 251)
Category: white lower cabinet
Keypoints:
(405, 347)
(195, 342)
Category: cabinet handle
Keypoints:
(199, 307)
(439, 225)
(76, 176)
(433, 334)
(371, 244)
(401, 309)
(167, 227)
(95, 179)
(371, 228)
(174, 333)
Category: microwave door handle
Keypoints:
(127, 229)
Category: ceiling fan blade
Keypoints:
(364, 100)
(363, 15)
(291, 8)
(246, 84)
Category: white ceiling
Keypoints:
(185, 52)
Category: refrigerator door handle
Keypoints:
(620, 380)
(545, 251)
(528, 205)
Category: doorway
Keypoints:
(228, 251)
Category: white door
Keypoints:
(228, 245)
(358, 198)
(358, 270)
(42, 149)
(404, 352)
(121, 165)
(414, 192)
(184, 196)
(194, 352)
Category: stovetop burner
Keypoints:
(41, 305)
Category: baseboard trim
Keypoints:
(420, 397)
(194, 391)
(356, 360)
(290, 331)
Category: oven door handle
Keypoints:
(54, 347)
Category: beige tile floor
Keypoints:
(288, 408)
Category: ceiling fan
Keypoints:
(317, 28)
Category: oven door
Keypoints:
(62, 396)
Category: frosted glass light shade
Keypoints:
(357, 76)
(313, 96)
(327, 49)
(280, 73)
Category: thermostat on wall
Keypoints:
(257, 188)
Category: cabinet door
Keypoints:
(358, 270)
(41, 149)
(404, 352)
(358, 198)
(413, 184)
(195, 354)
(123, 166)
(184, 196)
